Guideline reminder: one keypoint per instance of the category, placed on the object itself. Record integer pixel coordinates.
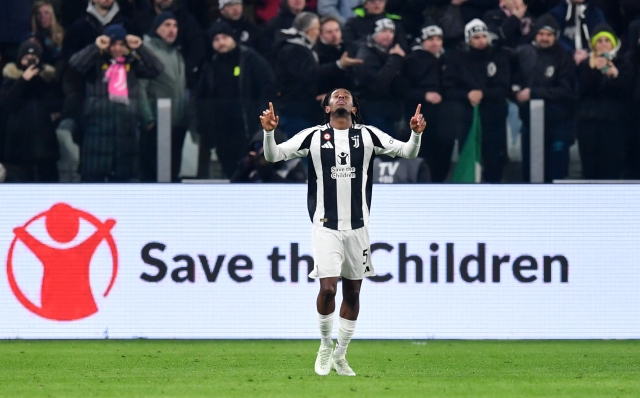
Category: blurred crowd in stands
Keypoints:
(81, 79)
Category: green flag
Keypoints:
(469, 167)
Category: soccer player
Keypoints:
(340, 155)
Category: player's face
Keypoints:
(341, 103)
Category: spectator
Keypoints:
(339, 9)
(330, 50)
(377, 80)
(111, 113)
(547, 72)
(630, 12)
(606, 81)
(235, 84)
(28, 92)
(511, 24)
(14, 26)
(72, 10)
(190, 37)
(298, 73)
(289, 9)
(48, 33)
(245, 32)
(576, 19)
(357, 29)
(632, 154)
(84, 31)
(172, 84)
(423, 75)
(254, 167)
(480, 76)
(388, 170)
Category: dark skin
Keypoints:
(341, 112)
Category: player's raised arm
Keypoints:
(417, 122)
(287, 150)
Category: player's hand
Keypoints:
(417, 122)
(269, 119)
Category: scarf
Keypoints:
(576, 12)
(116, 78)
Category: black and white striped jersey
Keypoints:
(340, 169)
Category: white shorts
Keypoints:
(341, 253)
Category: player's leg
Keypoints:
(357, 265)
(328, 260)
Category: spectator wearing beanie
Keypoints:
(235, 84)
(245, 32)
(606, 84)
(191, 38)
(358, 28)
(28, 92)
(377, 79)
(423, 69)
(110, 148)
(172, 84)
(479, 75)
(545, 71)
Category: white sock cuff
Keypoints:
(325, 318)
(347, 325)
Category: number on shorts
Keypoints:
(366, 255)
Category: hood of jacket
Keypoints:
(11, 71)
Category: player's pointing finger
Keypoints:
(271, 107)
(418, 110)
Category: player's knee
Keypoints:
(328, 293)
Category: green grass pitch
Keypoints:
(277, 368)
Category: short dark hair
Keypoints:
(303, 21)
(328, 18)
(356, 118)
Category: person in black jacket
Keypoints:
(632, 154)
(479, 76)
(110, 149)
(512, 24)
(378, 79)
(191, 39)
(606, 84)
(235, 83)
(28, 92)
(357, 29)
(298, 73)
(330, 50)
(245, 32)
(423, 69)
(547, 72)
(289, 9)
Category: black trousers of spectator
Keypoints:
(557, 141)
(228, 136)
(43, 171)
(149, 153)
(602, 145)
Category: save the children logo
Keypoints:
(66, 256)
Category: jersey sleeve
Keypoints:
(384, 144)
(296, 147)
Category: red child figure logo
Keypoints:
(66, 290)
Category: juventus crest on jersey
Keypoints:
(341, 170)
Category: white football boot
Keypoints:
(323, 361)
(341, 366)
